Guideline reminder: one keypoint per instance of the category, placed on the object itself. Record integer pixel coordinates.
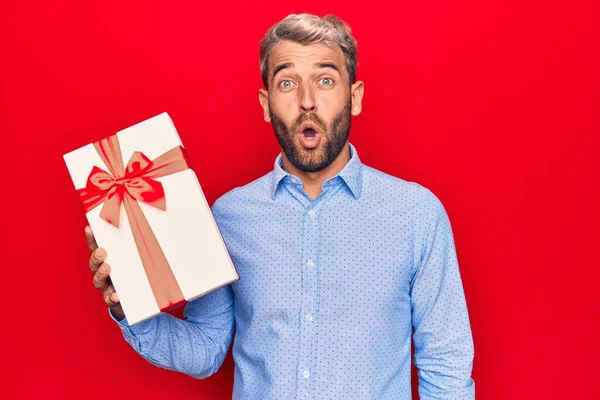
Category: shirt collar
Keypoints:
(351, 174)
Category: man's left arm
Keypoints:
(442, 333)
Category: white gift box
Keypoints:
(150, 214)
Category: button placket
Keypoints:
(309, 321)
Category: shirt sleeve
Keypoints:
(442, 333)
(195, 345)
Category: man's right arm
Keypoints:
(195, 345)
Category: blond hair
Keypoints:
(309, 29)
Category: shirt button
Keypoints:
(312, 213)
(310, 263)
(306, 374)
(309, 317)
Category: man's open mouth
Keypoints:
(309, 133)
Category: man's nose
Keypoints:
(307, 99)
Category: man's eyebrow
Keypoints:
(328, 65)
(281, 67)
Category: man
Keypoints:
(338, 262)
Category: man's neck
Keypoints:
(312, 181)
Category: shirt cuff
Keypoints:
(123, 324)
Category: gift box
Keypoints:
(146, 207)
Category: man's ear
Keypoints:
(356, 91)
(263, 97)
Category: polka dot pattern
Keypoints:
(330, 291)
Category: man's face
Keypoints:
(309, 103)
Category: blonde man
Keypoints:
(338, 261)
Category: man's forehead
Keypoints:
(290, 52)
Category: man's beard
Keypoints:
(333, 137)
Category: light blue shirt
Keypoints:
(330, 290)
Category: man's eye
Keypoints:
(327, 81)
(286, 84)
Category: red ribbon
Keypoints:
(128, 186)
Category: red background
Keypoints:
(493, 105)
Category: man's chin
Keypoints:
(307, 159)
(311, 154)
(309, 164)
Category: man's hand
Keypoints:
(101, 271)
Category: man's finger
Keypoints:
(96, 259)
(89, 237)
(110, 297)
(100, 277)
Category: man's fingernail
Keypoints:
(100, 253)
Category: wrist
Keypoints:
(117, 312)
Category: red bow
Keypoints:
(136, 180)
(103, 187)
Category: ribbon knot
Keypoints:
(136, 181)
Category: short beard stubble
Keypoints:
(334, 137)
